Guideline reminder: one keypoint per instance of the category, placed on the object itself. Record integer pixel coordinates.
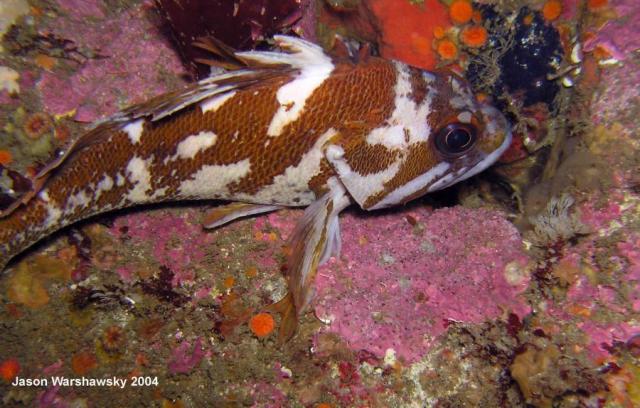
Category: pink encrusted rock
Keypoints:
(602, 308)
(81, 8)
(176, 242)
(396, 287)
(621, 40)
(131, 62)
(185, 357)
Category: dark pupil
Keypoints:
(457, 139)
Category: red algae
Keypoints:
(408, 29)
(185, 357)
(159, 234)
(100, 84)
(378, 299)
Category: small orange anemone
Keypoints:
(552, 10)
(447, 50)
(83, 362)
(262, 324)
(474, 36)
(37, 125)
(439, 32)
(9, 369)
(229, 281)
(5, 157)
(113, 339)
(461, 11)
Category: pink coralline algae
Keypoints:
(122, 70)
(186, 357)
(398, 286)
(621, 40)
(176, 242)
(591, 295)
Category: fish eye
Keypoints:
(455, 138)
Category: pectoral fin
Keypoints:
(224, 214)
(315, 238)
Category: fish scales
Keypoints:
(292, 128)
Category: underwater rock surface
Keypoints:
(474, 304)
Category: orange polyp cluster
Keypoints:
(9, 369)
(468, 32)
(37, 125)
(461, 11)
(5, 157)
(474, 36)
(113, 339)
(83, 362)
(447, 49)
(552, 10)
(229, 281)
(262, 324)
(409, 29)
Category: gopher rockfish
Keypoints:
(294, 127)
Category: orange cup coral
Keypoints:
(474, 36)
(447, 50)
(461, 11)
(262, 324)
(552, 10)
(9, 369)
(5, 157)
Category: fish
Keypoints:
(290, 127)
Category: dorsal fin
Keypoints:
(248, 69)
(224, 56)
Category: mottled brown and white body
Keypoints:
(292, 128)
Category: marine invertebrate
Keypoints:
(262, 324)
(5, 157)
(461, 11)
(552, 10)
(407, 30)
(520, 59)
(447, 49)
(83, 362)
(557, 223)
(474, 36)
(36, 125)
(9, 369)
(113, 339)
